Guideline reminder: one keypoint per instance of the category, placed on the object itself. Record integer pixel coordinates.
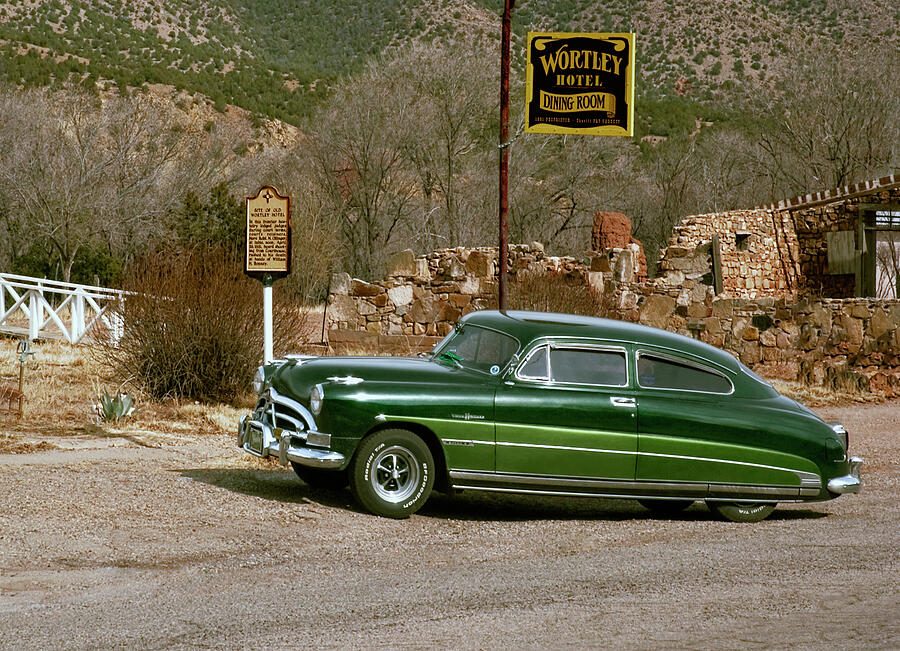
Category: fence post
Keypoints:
(117, 321)
(35, 314)
(77, 316)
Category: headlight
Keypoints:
(259, 380)
(316, 396)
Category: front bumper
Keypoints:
(261, 440)
(849, 483)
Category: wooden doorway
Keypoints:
(879, 275)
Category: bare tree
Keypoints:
(832, 120)
(361, 166)
(78, 172)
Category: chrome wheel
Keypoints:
(395, 474)
(392, 473)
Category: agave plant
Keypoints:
(113, 408)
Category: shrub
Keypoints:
(193, 326)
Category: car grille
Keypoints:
(278, 412)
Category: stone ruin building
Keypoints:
(806, 289)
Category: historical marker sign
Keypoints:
(268, 234)
(580, 84)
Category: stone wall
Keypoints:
(423, 297)
(759, 251)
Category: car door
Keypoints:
(692, 430)
(568, 411)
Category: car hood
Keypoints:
(298, 377)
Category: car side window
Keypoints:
(588, 366)
(535, 367)
(656, 372)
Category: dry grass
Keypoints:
(816, 396)
(62, 386)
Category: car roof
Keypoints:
(528, 326)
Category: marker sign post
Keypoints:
(268, 251)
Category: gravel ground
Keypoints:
(185, 546)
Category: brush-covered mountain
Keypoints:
(276, 58)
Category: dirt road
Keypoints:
(187, 546)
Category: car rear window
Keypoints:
(658, 372)
(586, 366)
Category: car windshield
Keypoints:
(477, 348)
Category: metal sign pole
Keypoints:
(268, 346)
(504, 149)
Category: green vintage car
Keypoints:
(549, 404)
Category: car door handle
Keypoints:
(622, 402)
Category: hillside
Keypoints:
(276, 58)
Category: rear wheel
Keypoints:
(392, 473)
(666, 507)
(318, 478)
(742, 511)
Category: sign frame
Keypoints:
(268, 274)
(591, 103)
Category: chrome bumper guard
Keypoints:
(850, 483)
(287, 445)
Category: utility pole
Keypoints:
(505, 40)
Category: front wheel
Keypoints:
(392, 473)
(742, 511)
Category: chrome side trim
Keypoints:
(809, 480)
(575, 482)
(561, 447)
(720, 490)
(463, 442)
(512, 483)
(528, 491)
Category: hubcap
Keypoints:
(395, 474)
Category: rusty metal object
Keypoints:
(504, 148)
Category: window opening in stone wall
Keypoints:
(742, 241)
(881, 255)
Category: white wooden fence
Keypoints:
(41, 308)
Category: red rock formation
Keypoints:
(612, 230)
